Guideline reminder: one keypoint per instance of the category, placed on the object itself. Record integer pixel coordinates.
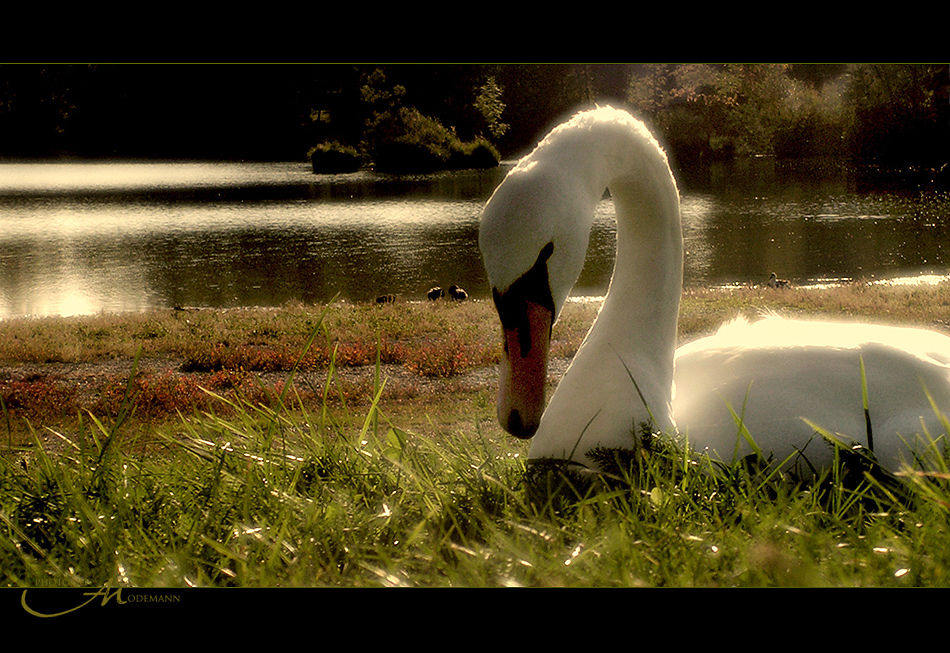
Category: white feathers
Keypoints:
(773, 374)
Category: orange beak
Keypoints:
(523, 373)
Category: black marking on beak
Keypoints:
(533, 286)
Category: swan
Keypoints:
(779, 379)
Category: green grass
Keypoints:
(292, 485)
(290, 498)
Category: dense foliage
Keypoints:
(892, 113)
(424, 113)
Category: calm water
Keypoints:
(87, 237)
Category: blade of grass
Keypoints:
(743, 431)
(867, 412)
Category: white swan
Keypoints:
(533, 237)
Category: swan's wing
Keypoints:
(777, 374)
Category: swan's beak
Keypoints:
(523, 373)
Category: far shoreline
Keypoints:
(924, 278)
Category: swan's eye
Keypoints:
(531, 287)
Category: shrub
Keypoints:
(476, 154)
(37, 399)
(256, 358)
(333, 157)
(408, 141)
(154, 396)
(406, 156)
(444, 358)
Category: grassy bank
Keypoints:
(52, 369)
(267, 338)
(355, 445)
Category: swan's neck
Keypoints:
(639, 315)
(597, 403)
(640, 311)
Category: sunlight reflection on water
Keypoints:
(82, 238)
(130, 176)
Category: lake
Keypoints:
(83, 237)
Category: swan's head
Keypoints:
(535, 229)
(533, 237)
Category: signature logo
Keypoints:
(105, 595)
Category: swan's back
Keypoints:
(779, 373)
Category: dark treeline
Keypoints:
(898, 114)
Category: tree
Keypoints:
(709, 112)
(400, 138)
(899, 113)
(489, 105)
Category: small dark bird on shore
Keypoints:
(435, 293)
(775, 282)
(457, 293)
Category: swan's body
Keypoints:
(534, 235)
(777, 373)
